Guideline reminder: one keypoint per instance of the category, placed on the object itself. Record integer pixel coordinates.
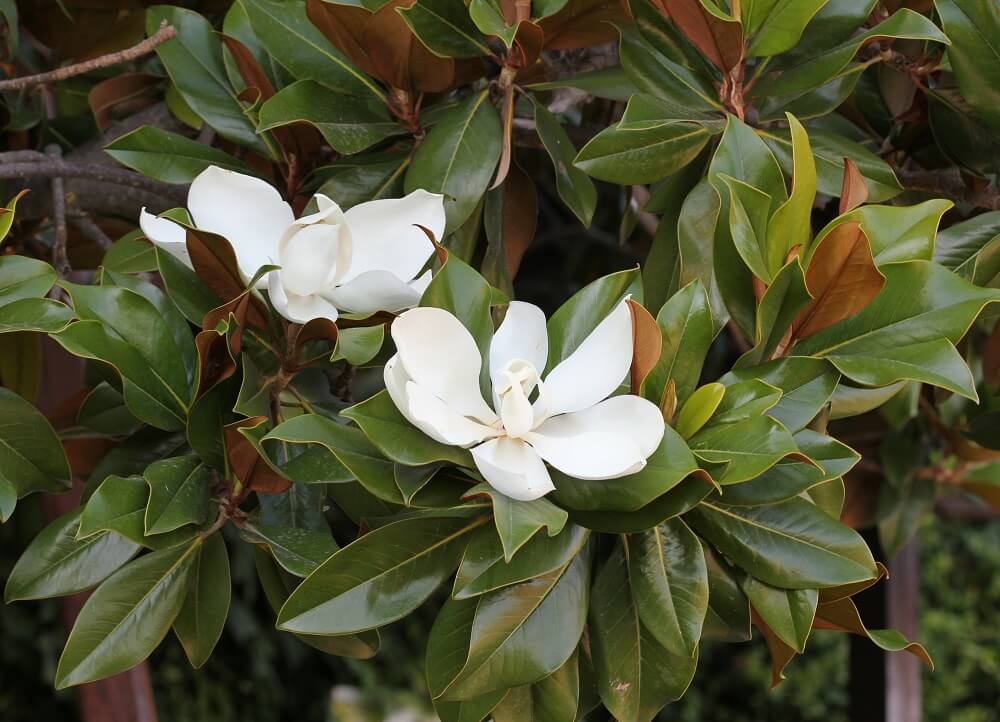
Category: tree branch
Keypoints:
(52, 168)
(951, 185)
(136, 51)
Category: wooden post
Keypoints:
(126, 697)
(903, 702)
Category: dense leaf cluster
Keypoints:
(779, 226)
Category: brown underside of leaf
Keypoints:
(843, 616)
(583, 24)
(854, 190)
(842, 278)
(245, 463)
(520, 217)
(720, 41)
(781, 653)
(647, 343)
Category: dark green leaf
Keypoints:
(178, 493)
(793, 545)
(31, 455)
(377, 579)
(199, 624)
(128, 616)
(167, 156)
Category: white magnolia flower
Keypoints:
(359, 261)
(566, 419)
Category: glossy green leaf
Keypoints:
(23, 277)
(895, 233)
(397, 438)
(959, 246)
(810, 71)
(193, 60)
(8, 499)
(923, 308)
(793, 545)
(749, 209)
(445, 28)
(552, 699)
(56, 564)
(285, 31)
(336, 454)
(484, 566)
(131, 253)
(669, 585)
(379, 578)
(611, 83)
(775, 26)
(7, 212)
(179, 491)
(641, 155)
(829, 150)
(974, 29)
(743, 449)
(199, 624)
(806, 384)
(685, 322)
(728, 616)
(347, 124)
(300, 551)
(167, 156)
(518, 521)
(35, 314)
(365, 177)
(359, 345)
(512, 636)
(189, 294)
(149, 344)
(652, 70)
(128, 616)
(573, 185)
(278, 584)
(745, 400)
(790, 478)
(636, 676)
(790, 226)
(458, 156)
(31, 455)
(118, 505)
(698, 409)
(788, 613)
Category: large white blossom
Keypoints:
(565, 419)
(362, 260)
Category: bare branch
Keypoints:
(60, 261)
(951, 185)
(51, 168)
(136, 51)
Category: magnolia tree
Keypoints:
(320, 354)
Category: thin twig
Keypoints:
(22, 156)
(60, 261)
(53, 76)
(90, 230)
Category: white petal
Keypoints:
(596, 368)
(427, 412)
(170, 236)
(421, 282)
(385, 237)
(248, 212)
(309, 257)
(441, 355)
(612, 439)
(513, 468)
(522, 335)
(296, 308)
(374, 291)
(452, 428)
